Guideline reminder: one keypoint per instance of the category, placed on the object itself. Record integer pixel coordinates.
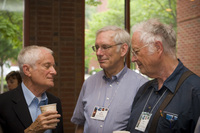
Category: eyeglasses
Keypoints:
(135, 52)
(103, 47)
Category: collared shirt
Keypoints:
(181, 114)
(34, 103)
(116, 94)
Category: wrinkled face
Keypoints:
(12, 83)
(42, 74)
(145, 60)
(108, 58)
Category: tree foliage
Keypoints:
(92, 2)
(143, 10)
(140, 10)
(11, 25)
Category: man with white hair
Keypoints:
(20, 108)
(170, 102)
(105, 101)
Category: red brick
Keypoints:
(188, 21)
(53, 24)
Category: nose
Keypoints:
(134, 58)
(99, 51)
(53, 71)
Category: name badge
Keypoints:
(143, 121)
(99, 113)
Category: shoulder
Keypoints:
(93, 78)
(135, 75)
(9, 98)
(96, 75)
(5, 97)
(10, 94)
(193, 82)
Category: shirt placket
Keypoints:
(110, 92)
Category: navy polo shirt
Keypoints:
(180, 115)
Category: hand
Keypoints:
(43, 122)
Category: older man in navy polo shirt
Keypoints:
(154, 51)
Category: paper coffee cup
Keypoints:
(49, 107)
(121, 132)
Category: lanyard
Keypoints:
(156, 102)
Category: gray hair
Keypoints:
(153, 30)
(120, 35)
(29, 55)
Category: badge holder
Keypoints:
(99, 113)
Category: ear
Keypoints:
(27, 70)
(159, 47)
(124, 49)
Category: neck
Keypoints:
(36, 90)
(113, 71)
(166, 69)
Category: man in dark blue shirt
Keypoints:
(154, 51)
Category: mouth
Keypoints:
(50, 79)
(139, 64)
(101, 60)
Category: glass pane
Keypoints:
(97, 15)
(11, 26)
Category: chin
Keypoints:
(51, 85)
(142, 71)
(102, 66)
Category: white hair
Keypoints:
(120, 35)
(29, 55)
(153, 30)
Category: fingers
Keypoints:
(50, 120)
(46, 120)
(50, 114)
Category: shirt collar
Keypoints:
(173, 79)
(29, 96)
(116, 77)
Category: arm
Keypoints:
(79, 129)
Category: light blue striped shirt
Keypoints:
(116, 94)
(34, 103)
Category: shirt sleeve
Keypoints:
(78, 115)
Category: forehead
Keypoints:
(135, 41)
(12, 78)
(105, 37)
(45, 57)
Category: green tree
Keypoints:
(92, 2)
(10, 37)
(165, 10)
(140, 10)
(7, 51)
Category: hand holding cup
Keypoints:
(49, 107)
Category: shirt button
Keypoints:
(110, 85)
(149, 107)
(101, 126)
(107, 98)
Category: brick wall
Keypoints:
(188, 19)
(59, 25)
